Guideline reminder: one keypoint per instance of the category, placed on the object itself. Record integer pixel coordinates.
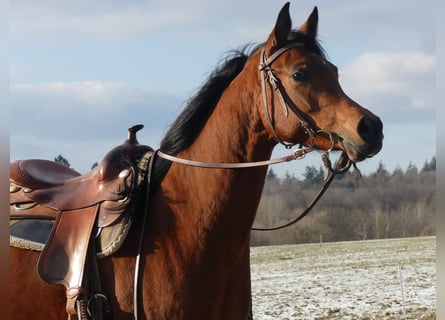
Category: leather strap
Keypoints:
(71, 231)
(274, 56)
(141, 239)
(266, 71)
(298, 154)
(343, 164)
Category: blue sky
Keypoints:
(82, 72)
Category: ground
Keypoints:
(346, 280)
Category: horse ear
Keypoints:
(281, 30)
(311, 24)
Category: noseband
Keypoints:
(266, 72)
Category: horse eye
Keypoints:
(300, 75)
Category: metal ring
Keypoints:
(333, 137)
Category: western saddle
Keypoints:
(79, 209)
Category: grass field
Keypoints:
(345, 280)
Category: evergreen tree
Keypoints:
(271, 174)
(430, 165)
(60, 159)
(313, 175)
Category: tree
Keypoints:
(430, 165)
(381, 171)
(378, 205)
(412, 169)
(60, 159)
(313, 175)
(271, 174)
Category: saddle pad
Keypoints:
(32, 234)
(36, 231)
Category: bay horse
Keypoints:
(195, 257)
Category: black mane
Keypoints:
(192, 119)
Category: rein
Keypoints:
(343, 165)
(298, 154)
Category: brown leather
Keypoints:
(37, 174)
(108, 181)
(51, 185)
(63, 258)
(84, 191)
(22, 206)
(77, 193)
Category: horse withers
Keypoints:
(194, 261)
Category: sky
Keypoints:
(82, 72)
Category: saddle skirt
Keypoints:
(32, 234)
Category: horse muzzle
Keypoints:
(370, 131)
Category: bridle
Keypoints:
(266, 72)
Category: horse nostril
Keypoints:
(370, 130)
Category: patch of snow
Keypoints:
(345, 280)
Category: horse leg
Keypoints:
(29, 296)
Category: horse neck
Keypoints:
(207, 202)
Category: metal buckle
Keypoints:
(299, 153)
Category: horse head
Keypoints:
(296, 75)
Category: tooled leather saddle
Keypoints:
(81, 212)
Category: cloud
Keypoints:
(399, 84)
(109, 21)
(57, 117)
(393, 24)
(96, 94)
(18, 71)
(97, 102)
